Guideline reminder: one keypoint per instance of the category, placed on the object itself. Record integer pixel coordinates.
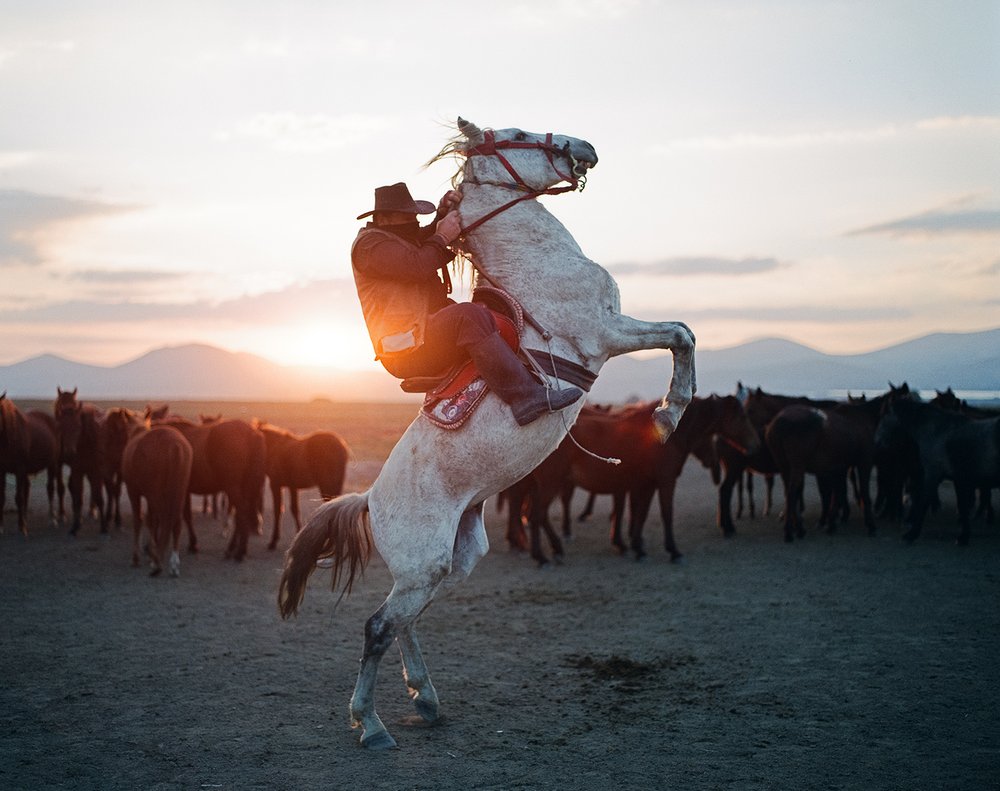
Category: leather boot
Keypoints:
(509, 379)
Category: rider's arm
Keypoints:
(394, 259)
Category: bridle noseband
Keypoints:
(576, 178)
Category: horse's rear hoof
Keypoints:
(429, 712)
(679, 559)
(379, 741)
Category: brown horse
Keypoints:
(648, 466)
(79, 427)
(156, 466)
(28, 445)
(117, 427)
(318, 459)
(229, 456)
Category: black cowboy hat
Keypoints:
(396, 197)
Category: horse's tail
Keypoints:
(339, 531)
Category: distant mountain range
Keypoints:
(968, 361)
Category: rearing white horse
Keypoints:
(424, 512)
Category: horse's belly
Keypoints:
(467, 465)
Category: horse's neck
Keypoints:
(529, 253)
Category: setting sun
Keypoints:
(319, 343)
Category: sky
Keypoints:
(190, 172)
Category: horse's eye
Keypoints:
(520, 136)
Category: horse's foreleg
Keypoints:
(21, 494)
(625, 334)
(136, 503)
(50, 490)
(293, 506)
(668, 485)
(639, 500)
(75, 486)
(276, 507)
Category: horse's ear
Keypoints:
(472, 132)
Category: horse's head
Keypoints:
(728, 419)
(524, 160)
(69, 424)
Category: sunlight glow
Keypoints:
(315, 343)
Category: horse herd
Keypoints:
(161, 459)
(910, 445)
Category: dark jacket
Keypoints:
(399, 285)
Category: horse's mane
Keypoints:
(455, 148)
(265, 427)
(8, 416)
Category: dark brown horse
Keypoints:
(951, 402)
(79, 427)
(761, 407)
(230, 457)
(828, 442)
(945, 445)
(28, 445)
(648, 466)
(156, 467)
(316, 460)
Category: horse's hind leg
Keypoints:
(471, 544)
(393, 619)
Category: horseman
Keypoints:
(400, 269)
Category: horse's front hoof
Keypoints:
(380, 740)
(678, 559)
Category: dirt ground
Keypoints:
(838, 662)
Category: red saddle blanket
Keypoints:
(453, 395)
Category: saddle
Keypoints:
(453, 395)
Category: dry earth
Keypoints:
(838, 662)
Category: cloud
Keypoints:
(547, 14)
(289, 305)
(308, 133)
(123, 276)
(827, 137)
(697, 265)
(960, 122)
(750, 140)
(27, 219)
(9, 53)
(937, 222)
(16, 159)
(823, 314)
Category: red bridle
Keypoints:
(491, 147)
